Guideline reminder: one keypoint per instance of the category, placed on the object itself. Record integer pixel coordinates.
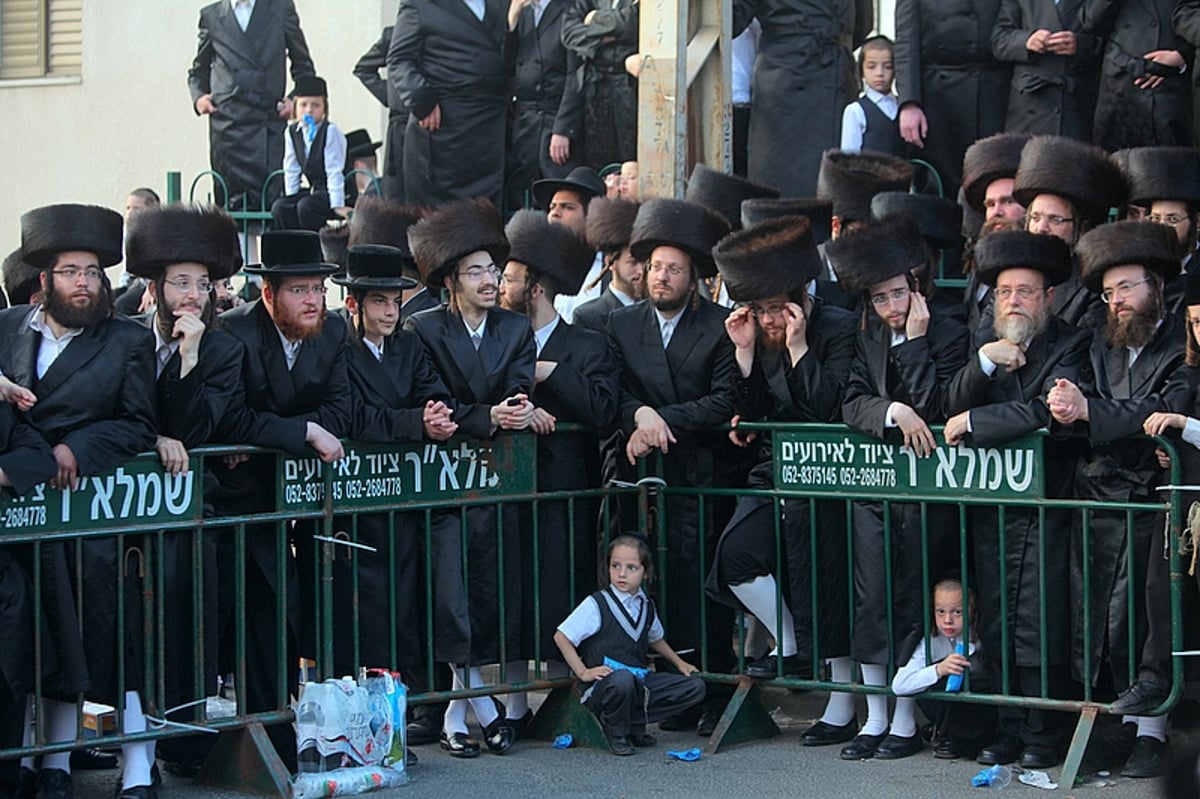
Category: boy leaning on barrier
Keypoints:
(1137, 367)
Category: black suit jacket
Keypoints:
(545, 70)
(98, 395)
(366, 69)
(25, 457)
(593, 314)
(389, 396)
(421, 301)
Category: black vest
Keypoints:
(620, 636)
(882, 134)
(313, 166)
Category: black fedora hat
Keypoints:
(291, 253)
(374, 266)
(359, 144)
(52, 229)
(310, 86)
(172, 234)
(581, 179)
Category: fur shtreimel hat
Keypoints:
(724, 193)
(291, 253)
(884, 249)
(335, 240)
(818, 212)
(1163, 173)
(610, 224)
(380, 221)
(1128, 243)
(550, 250)
(678, 223)
(172, 234)
(1077, 171)
(850, 180)
(1020, 249)
(20, 279)
(776, 257)
(375, 266)
(938, 219)
(51, 229)
(990, 159)
(453, 230)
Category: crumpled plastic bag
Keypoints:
(687, 755)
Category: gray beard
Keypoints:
(1020, 329)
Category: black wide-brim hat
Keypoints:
(359, 144)
(819, 213)
(375, 266)
(1127, 243)
(173, 234)
(52, 229)
(310, 86)
(291, 253)
(1163, 173)
(452, 231)
(776, 257)
(1077, 171)
(988, 160)
(610, 224)
(550, 250)
(724, 193)
(581, 179)
(1020, 249)
(850, 180)
(678, 223)
(882, 250)
(938, 219)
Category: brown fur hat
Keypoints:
(882, 250)
(171, 234)
(724, 193)
(610, 224)
(1077, 171)
(850, 180)
(51, 229)
(550, 250)
(20, 279)
(335, 240)
(453, 230)
(1127, 243)
(778, 256)
(678, 223)
(989, 159)
(1163, 173)
(818, 212)
(380, 221)
(938, 219)
(1020, 249)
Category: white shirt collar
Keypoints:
(37, 321)
(291, 349)
(543, 333)
(480, 330)
(377, 351)
(1134, 352)
(664, 322)
(625, 299)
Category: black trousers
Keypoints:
(301, 211)
(625, 703)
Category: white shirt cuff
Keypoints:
(985, 363)
(889, 419)
(1191, 432)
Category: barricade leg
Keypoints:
(561, 713)
(245, 761)
(1079, 742)
(745, 718)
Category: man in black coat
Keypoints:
(239, 80)
(905, 356)
(486, 357)
(1137, 368)
(793, 355)
(447, 66)
(1001, 393)
(61, 353)
(947, 80)
(296, 395)
(366, 69)
(1166, 181)
(609, 225)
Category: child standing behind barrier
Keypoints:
(604, 642)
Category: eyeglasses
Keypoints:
(477, 273)
(1122, 289)
(897, 295)
(507, 279)
(775, 309)
(1054, 220)
(186, 284)
(300, 292)
(674, 270)
(72, 273)
(1168, 219)
(1024, 292)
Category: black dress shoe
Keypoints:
(1040, 756)
(1151, 758)
(945, 749)
(520, 725)
(823, 734)
(767, 667)
(895, 747)
(619, 744)
(708, 721)
(1001, 752)
(92, 759)
(26, 784)
(1139, 698)
(499, 735)
(423, 730)
(138, 792)
(155, 783)
(863, 747)
(681, 721)
(54, 783)
(642, 739)
(459, 744)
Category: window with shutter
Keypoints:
(40, 38)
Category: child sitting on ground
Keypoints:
(604, 642)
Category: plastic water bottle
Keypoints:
(954, 681)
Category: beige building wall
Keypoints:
(127, 120)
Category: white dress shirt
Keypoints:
(51, 346)
(291, 349)
(543, 333)
(242, 9)
(335, 162)
(584, 621)
(854, 119)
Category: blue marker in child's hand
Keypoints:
(954, 681)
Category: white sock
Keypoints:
(27, 736)
(758, 596)
(516, 704)
(136, 757)
(877, 713)
(455, 719)
(839, 710)
(1152, 727)
(484, 706)
(61, 721)
(904, 718)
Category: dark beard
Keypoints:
(777, 343)
(666, 306)
(64, 313)
(1134, 332)
(294, 331)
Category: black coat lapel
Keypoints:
(685, 338)
(23, 369)
(464, 355)
(86, 346)
(273, 361)
(655, 355)
(877, 352)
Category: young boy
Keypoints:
(869, 123)
(315, 148)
